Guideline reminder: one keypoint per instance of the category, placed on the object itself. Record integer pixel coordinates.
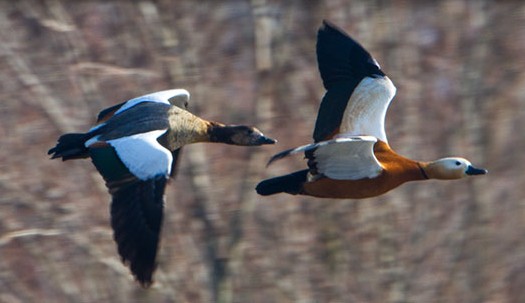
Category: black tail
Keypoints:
(70, 146)
(291, 184)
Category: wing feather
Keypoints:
(358, 92)
(177, 97)
(136, 169)
(180, 98)
(349, 158)
(136, 218)
(143, 155)
(366, 111)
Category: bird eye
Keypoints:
(458, 163)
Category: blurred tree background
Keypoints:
(459, 69)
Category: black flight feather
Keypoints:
(136, 212)
(342, 63)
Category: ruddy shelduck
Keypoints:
(135, 146)
(350, 156)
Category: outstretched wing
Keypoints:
(136, 169)
(349, 158)
(177, 97)
(358, 92)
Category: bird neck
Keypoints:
(404, 169)
(422, 170)
(185, 128)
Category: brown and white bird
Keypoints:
(350, 156)
(135, 146)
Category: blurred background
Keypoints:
(459, 69)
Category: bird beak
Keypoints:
(471, 171)
(261, 140)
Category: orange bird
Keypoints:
(351, 157)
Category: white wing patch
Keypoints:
(366, 110)
(348, 158)
(178, 97)
(143, 155)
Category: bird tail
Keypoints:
(70, 146)
(291, 184)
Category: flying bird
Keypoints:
(350, 156)
(135, 146)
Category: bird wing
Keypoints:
(177, 97)
(141, 118)
(358, 92)
(136, 169)
(349, 158)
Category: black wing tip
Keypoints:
(342, 58)
(142, 273)
(136, 218)
(107, 112)
(145, 284)
(142, 268)
(325, 24)
(145, 278)
(283, 154)
(275, 158)
(142, 264)
(279, 156)
(330, 27)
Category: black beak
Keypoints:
(471, 171)
(261, 140)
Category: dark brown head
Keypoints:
(238, 135)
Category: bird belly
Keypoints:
(349, 189)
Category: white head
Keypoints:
(451, 168)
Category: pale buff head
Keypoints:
(451, 168)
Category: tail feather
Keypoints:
(291, 184)
(70, 146)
